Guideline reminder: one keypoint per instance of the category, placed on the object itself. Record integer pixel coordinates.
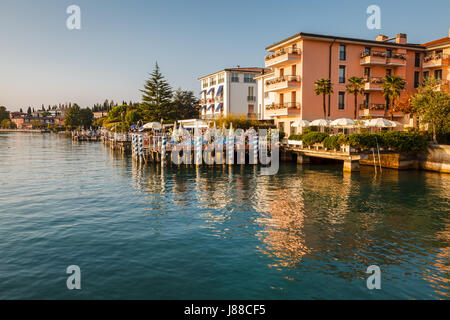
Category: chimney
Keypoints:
(400, 38)
(381, 37)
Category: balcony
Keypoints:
(283, 109)
(375, 110)
(436, 60)
(396, 60)
(251, 98)
(373, 83)
(380, 58)
(283, 83)
(283, 57)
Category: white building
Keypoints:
(230, 91)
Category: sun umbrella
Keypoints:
(397, 124)
(152, 125)
(320, 123)
(342, 122)
(300, 123)
(381, 123)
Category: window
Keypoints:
(212, 81)
(426, 74)
(220, 79)
(251, 96)
(417, 59)
(234, 77)
(367, 72)
(341, 104)
(366, 100)
(251, 109)
(438, 74)
(416, 78)
(342, 53)
(388, 53)
(281, 98)
(248, 78)
(281, 126)
(281, 72)
(367, 50)
(294, 70)
(341, 74)
(389, 72)
(293, 97)
(204, 83)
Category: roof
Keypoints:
(346, 39)
(437, 42)
(239, 69)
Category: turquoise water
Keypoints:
(136, 232)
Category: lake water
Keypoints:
(309, 232)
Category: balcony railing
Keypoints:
(383, 58)
(221, 80)
(282, 79)
(251, 98)
(436, 59)
(283, 51)
(219, 98)
(372, 106)
(276, 106)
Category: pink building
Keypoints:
(298, 61)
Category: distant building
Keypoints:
(229, 91)
(27, 121)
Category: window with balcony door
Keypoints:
(341, 74)
(416, 79)
(438, 74)
(251, 109)
(389, 72)
(367, 72)
(417, 59)
(281, 99)
(367, 50)
(426, 74)
(388, 53)
(366, 100)
(204, 83)
(281, 72)
(293, 98)
(341, 102)
(342, 53)
(294, 70)
(251, 96)
(234, 77)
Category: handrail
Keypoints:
(282, 79)
(283, 51)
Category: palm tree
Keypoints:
(355, 87)
(324, 87)
(392, 86)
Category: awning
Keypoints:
(219, 91)
(202, 91)
(202, 107)
(219, 107)
(210, 106)
(209, 91)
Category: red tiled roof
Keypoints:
(437, 42)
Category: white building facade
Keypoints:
(231, 91)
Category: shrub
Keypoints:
(404, 141)
(331, 142)
(313, 137)
(296, 137)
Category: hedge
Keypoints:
(395, 140)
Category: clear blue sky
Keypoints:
(42, 62)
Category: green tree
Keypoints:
(392, 86)
(185, 104)
(86, 117)
(72, 118)
(324, 87)
(432, 106)
(132, 117)
(29, 110)
(355, 87)
(4, 114)
(156, 98)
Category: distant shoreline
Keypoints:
(26, 130)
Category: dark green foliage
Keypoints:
(157, 98)
(313, 137)
(331, 142)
